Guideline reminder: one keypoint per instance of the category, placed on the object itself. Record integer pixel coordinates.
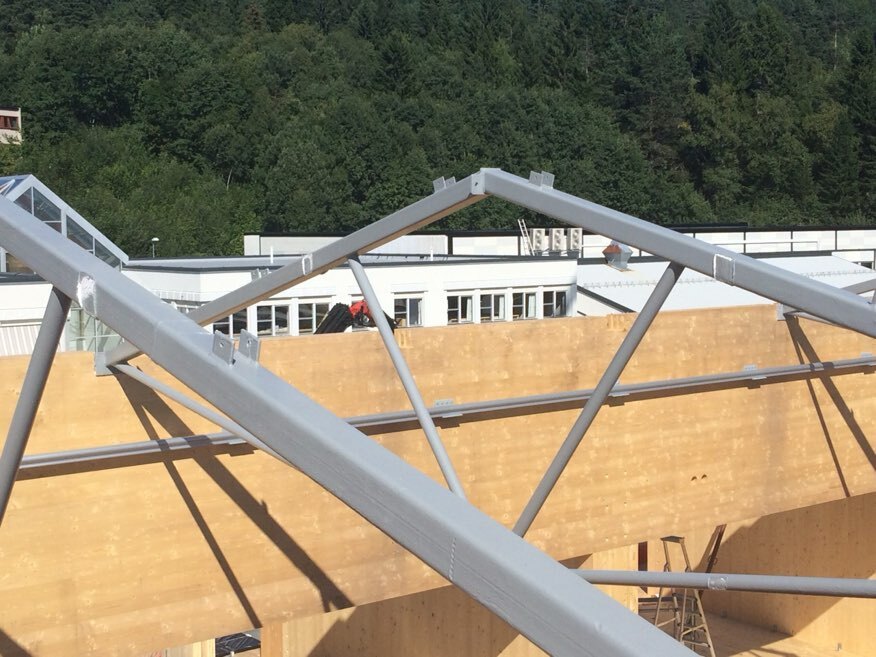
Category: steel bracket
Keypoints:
(249, 346)
(542, 179)
(223, 346)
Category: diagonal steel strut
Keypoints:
(551, 606)
(443, 202)
(31, 392)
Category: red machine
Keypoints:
(342, 316)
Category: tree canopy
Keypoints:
(197, 122)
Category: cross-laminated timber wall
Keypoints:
(121, 560)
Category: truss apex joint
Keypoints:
(478, 183)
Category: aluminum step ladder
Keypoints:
(687, 616)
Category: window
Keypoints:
(554, 303)
(46, 211)
(407, 311)
(26, 200)
(79, 235)
(310, 315)
(459, 309)
(492, 307)
(106, 255)
(272, 319)
(232, 325)
(523, 305)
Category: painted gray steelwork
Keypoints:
(407, 379)
(443, 202)
(33, 464)
(829, 586)
(216, 418)
(820, 299)
(600, 394)
(554, 608)
(832, 304)
(31, 392)
(462, 412)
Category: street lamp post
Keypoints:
(155, 241)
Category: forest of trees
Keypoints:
(199, 121)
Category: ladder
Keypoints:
(686, 607)
(527, 243)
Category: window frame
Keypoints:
(315, 318)
(524, 296)
(402, 319)
(459, 310)
(553, 304)
(496, 308)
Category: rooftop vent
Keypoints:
(617, 255)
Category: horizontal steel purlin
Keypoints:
(216, 418)
(443, 202)
(829, 586)
(832, 304)
(552, 607)
(399, 420)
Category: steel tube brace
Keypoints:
(829, 586)
(407, 379)
(31, 392)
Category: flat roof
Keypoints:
(631, 288)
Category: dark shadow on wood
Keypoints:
(800, 339)
(9, 647)
(145, 399)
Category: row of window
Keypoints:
(34, 202)
(274, 319)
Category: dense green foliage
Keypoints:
(198, 121)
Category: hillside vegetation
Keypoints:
(198, 121)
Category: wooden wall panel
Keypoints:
(436, 623)
(835, 539)
(129, 559)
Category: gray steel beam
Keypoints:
(31, 392)
(461, 412)
(831, 586)
(600, 394)
(863, 286)
(838, 306)
(443, 202)
(32, 464)
(208, 414)
(407, 379)
(554, 608)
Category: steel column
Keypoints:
(407, 379)
(820, 299)
(454, 196)
(31, 392)
(600, 394)
(829, 586)
(216, 418)
(554, 608)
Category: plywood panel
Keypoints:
(835, 539)
(129, 559)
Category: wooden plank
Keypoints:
(132, 559)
